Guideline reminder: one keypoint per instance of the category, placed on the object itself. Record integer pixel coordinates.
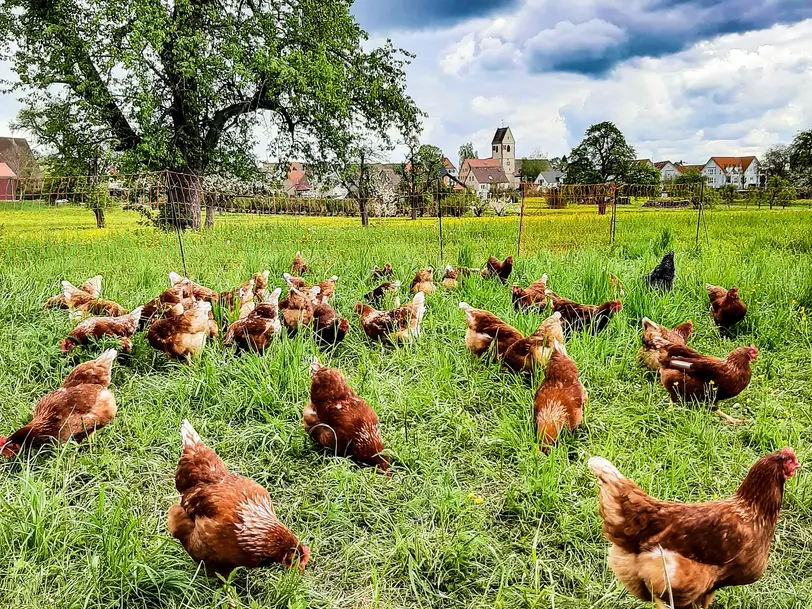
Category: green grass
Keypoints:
(85, 526)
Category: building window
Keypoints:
(496, 148)
(507, 147)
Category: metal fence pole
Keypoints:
(699, 211)
(614, 215)
(521, 221)
(440, 219)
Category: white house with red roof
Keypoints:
(668, 170)
(740, 171)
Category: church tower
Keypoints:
(503, 149)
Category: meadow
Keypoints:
(474, 515)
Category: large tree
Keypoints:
(180, 85)
(603, 156)
(776, 161)
(800, 160)
(466, 152)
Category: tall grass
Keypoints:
(84, 526)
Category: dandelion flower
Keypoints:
(478, 501)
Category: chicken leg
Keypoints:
(728, 419)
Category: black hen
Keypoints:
(662, 277)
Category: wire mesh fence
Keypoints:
(444, 221)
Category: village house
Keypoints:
(546, 179)
(741, 172)
(7, 183)
(668, 170)
(17, 155)
(483, 176)
(448, 173)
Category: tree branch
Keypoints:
(259, 101)
(97, 94)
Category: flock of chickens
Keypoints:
(663, 552)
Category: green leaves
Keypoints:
(604, 156)
(182, 85)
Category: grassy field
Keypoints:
(474, 516)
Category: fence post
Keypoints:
(614, 215)
(521, 221)
(699, 210)
(440, 219)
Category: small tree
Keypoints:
(643, 173)
(75, 146)
(691, 176)
(502, 205)
(533, 165)
(420, 173)
(776, 161)
(467, 152)
(559, 163)
(729, 193)
(780, 192)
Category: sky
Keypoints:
(683, 79)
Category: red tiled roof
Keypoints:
(489, 175)
(473, 163)
(6, 172)
(660, 164)
(447, 163)
(726, 162)
(684, 168)
(645, 161)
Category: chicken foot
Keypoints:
(728, 419)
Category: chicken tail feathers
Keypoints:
(188, 435)
(174, 278)
(603, 470)
(136, 313)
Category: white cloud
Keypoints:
(459, 56)
(737, 94)
(490, 107)
(593, 35)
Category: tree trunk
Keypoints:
(99, 213)
(362, 204)
(184, 198)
